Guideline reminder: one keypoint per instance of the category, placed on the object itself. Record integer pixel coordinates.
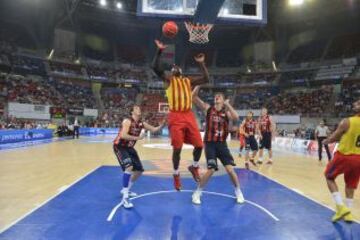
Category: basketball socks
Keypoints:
(195, 164)
(260, 159)
(126, 180)
(197, 154)
(337, 198)
(349, 202)
(176, 172)
(131, 183)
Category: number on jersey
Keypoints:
(357, 144)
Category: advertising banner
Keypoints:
(12, 136)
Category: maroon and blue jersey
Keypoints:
(134, 130)
(217, 125)
(250, 126)
(265, 123)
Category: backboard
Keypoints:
(232, 11)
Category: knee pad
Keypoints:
(211, 164)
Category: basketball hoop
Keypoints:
(198, 33)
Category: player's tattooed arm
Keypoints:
(153, 129)
(197, 100)
(341, 129)
(231, 113)
(204, 78)
(159, 71)
(125, 132)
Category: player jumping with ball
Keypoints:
(183, 127)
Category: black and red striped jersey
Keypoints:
(265, 123)
(250, 126)
(217, 125)
(134, 130)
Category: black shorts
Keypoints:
(251, 144)
(265, 142)
(218, 150)
(127, 156)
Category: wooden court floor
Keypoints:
(32, 175)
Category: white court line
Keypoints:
(300, 193)
(113, 211)
(45, 202)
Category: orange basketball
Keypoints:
(170, 29)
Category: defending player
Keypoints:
(267, 132)
(125, 152)
(217, 130)
(345, 161)
(183, 127)
(249, 128)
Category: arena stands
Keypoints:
(116, 102)
(100, 73)
(29, 90)
(306, 103)
(252, 98)
(297, 77)
(349, 93)
(131, 73)
(259, 78)
(28, 65)
(75, 94)
(335, 71)
(66, 69)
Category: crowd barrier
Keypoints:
(298, 144)
(99, 130)
(13, 136)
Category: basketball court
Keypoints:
(70, 189)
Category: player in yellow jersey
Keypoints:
(345, 161)
(183, 127)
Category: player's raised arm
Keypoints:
(341, 129)
(197, 100)
(125, 132)
(204, 78)
(232, 114)
(156, 62)
(153, 129)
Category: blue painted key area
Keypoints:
(271, 212)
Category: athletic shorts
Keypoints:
(183, 128)
(218, 150)
(349, 165)
(251, 144)
(127, 156)
(265, 142)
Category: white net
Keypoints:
(198, 33)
